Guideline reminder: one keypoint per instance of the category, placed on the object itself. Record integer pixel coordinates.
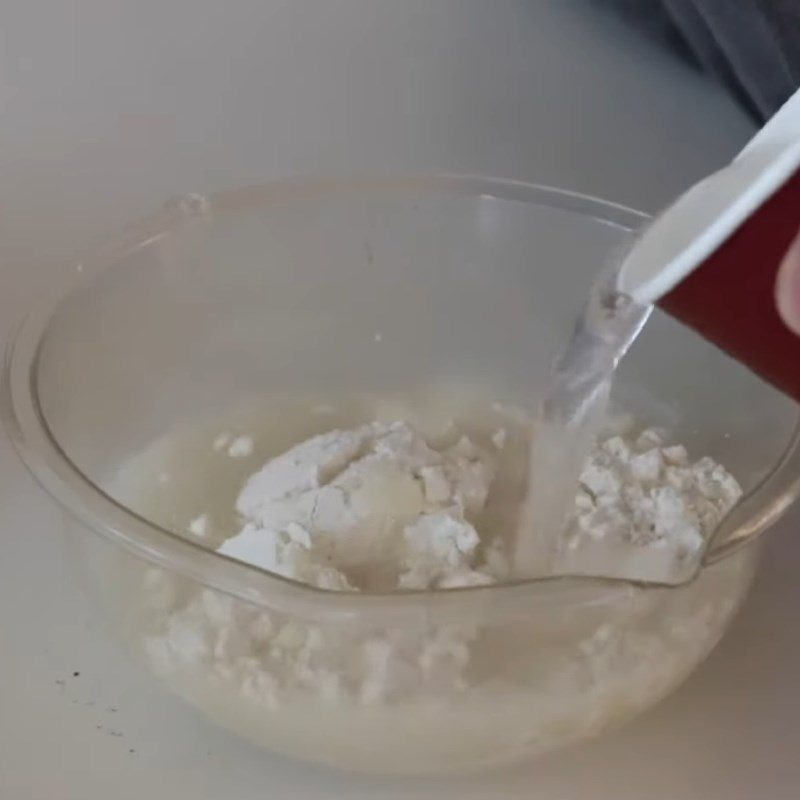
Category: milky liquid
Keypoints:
(569, 419)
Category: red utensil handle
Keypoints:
(730, 298)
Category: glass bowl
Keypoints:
(377, 286)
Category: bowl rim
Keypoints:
(51, 466)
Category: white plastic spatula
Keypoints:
(701, 220)
(712, 258)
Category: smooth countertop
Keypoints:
(107, 108)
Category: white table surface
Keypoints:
(109, 107)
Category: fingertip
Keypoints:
(787, 287)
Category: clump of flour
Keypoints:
(644, 508)
(373, 508)
(649, 494)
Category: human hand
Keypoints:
(787, 287)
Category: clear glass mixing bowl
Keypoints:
(283, 289)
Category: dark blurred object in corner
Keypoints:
(752, 46)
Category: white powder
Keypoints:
(199, 526)
(236, 447)
(240, 447)
(499, 438)
(380, 508)
(643, 505)
(375, 507)
(221, 441)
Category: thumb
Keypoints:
(787, 287)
